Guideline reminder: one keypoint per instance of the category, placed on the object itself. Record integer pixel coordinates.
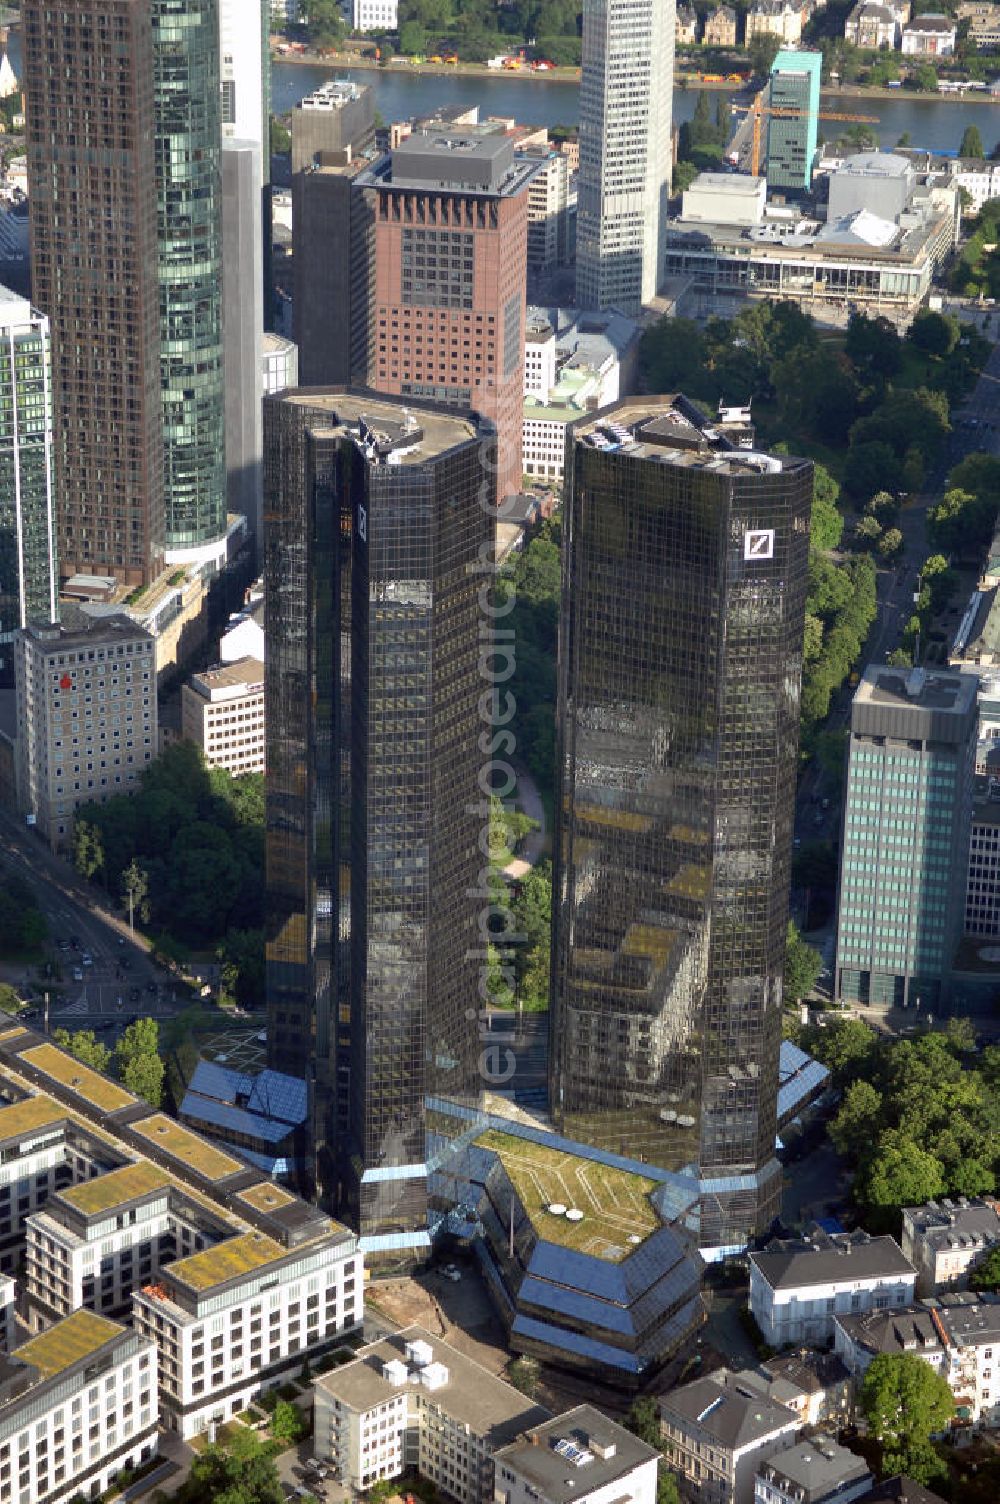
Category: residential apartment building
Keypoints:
(374, 15)
(792, 136)
(860, 1338)
(664, 1040)
(379, 515)
(234, 1279)
(686, 26)
(945, 1240)
(579, 1457)
(716, 1430)
(29, 571)
(929, 36)
(798, 1286)
(815, 1471)
(86, 715)
(450, 267)
(774, 18)
(816, 1385)
(222, 712)
(548, 214)
(873, 26)
(720, 27)
(626, 104)
(88, 83)
(981, 180)
(77, 1406)
(411, 1401)
(906, 834)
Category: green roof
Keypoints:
(25, 1117)
(227, 1260)
(88, 1084)
(105, 1192)
(615, 1203)
(190, 1147)
(68, 1341)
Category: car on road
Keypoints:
(74, 941)
(64, 945)
(78, 973)
(261, 1038)
(448, 1271)
(86, 959)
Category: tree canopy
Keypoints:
(906, 1403)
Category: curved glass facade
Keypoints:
(680, 661)
(187, 109)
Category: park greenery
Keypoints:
(478, 29)
(643, 1420)
(803, 964)
(189, 846)
(976, 272)
(23, 927)
(918, 1118)
(136, 1062)
(534, 577)
(905, 1403)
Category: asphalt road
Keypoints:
(120, 961)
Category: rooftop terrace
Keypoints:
(68, 1341)
(615, 1203)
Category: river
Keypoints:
(936, 124)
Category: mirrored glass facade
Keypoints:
(29, 576)
(187, 116)
(374, 807)
(680, 662)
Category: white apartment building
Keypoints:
(222, 712)
(374, 15)
(98, 1239)
(798, 1287)
(717, 1429)
(626, 92)
(775, 18)
(815, 1471)
(8, 1310)
(580, 1457)
(242, 1316)
(413, 1401)
(539, 357)
(572, 366)
(929, 35)
(86, 715)
(944, 1240)
(548, 212)
(914, 1329)
(36, 1156)
(981, 180)
(77, 1406)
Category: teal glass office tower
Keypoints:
(187, 110)
(905, 851)
(791, 139)
(28, 573)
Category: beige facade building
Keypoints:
(222, 712)
(86, 716)
(411, 1400)
(775, 18)
(720, 28)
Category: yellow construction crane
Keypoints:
(758, 110)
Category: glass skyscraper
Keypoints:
(374, 523)
(792, 137)
(680, 661)
(186, 111)
(29, 576)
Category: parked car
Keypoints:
(77, 974)
(449, 1271)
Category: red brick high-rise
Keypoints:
(450, 218)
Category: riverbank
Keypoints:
(406, 65)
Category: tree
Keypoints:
(869, 530)
(890, 543)
(826, 525)
(847, 1047)
(143, 1076)
(326, 26)
(140, 1038)
(905, 1403)
(135, 886)
(934, 333)
(925, 79)
(870, 466)
(86, 1047)
(242, 966)
(803, 964)
(243, 1473)
(88, 849)
(986, 1274)
(9, 1000)
(667, 1490)
(856, 1124)
(972, 143)
(643, 1420)
(287, 1422)
(899, 1173)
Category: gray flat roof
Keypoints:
(344, 410)
(831, 1260)
(471, 1395)
(545, 1457)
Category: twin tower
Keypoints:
(685, 557)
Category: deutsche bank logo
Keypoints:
(363, 524)
(758, 543)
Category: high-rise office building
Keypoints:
(333, 270)
(626, 102)
(88, 80)
(339, 116)
(187, 124)
(29, 575)
(447, 317)
(792, 137)
(243, 329)
(682, 620)
(905, 850)
(376, 516)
